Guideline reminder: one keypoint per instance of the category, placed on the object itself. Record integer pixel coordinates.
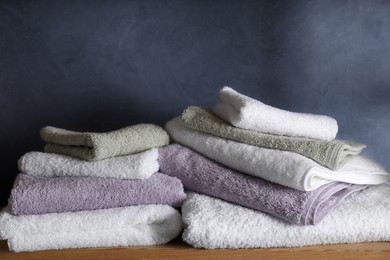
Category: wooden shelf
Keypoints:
(179, 250)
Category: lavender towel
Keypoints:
(205, 176)
(39, 195)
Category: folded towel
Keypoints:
(248, 113)
(205, 176)
(97, 146)
(39, 195)
(332, 154)
(135, 166)
(213, 223)
(282, 167)
(127, 226)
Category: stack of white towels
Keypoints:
(215, 223)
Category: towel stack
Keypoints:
(93, 190)
(286, 167)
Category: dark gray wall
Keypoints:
(102, 65)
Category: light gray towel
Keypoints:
(332, 154)
(125, 226)
(98, 146)
(134, 166)
(213, 223)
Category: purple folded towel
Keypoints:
(205, 176)
(39, 195)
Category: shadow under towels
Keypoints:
(205, 176)
(126, 226)
(39, 195)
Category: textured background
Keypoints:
(102, 65)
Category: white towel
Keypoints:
(248, 113)
(282, 167)
(213, 223)
(127, 226)
(135, 166)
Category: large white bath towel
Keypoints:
(282, 167)
(127, 226)
(213, 223)
(248, 113)
(135, 166)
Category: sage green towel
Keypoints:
(98, 146)
(332, 154)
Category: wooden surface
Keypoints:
(179, 250)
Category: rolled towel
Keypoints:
(39, 195)
(98, 146)
(332, 154)
(126, 226)
(248, 113)
(205, 176)
(213, 223)
(286, 168)
(135, 166)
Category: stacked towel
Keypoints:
(332, 154)
(212, 223)
(205, 176)
(38, 195)
(248, 113)
(126, 226)
(285, 166)
(97, 146)
(99, 189)
(134, 166)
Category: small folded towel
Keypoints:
(248, 113)
(282, 167)
(213, 223)
(205, 176)
(98, 146)
(135, 166)
(332, 154)
(127, 226)
(39, 195)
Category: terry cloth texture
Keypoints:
(205, 176)
(127, 226)
(98, 146)
(39, 195)
(332, 154)
(248, 113)
(213, 223)
(282, 167)
(135, 166)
